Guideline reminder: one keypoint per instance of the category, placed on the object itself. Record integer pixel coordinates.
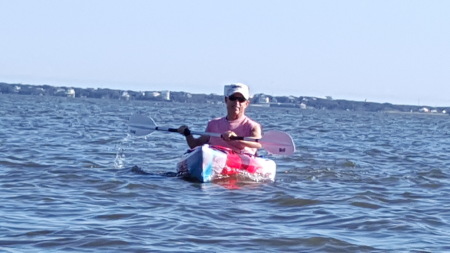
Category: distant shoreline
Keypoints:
(418, 113)
(261, 100)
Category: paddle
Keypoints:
(275, 142)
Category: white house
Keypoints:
(70, 93)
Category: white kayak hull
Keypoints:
(208, 163)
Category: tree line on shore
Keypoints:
(185, 97)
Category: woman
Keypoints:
(235, 123)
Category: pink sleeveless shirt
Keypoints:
(242, 127)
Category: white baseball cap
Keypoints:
(237, 88)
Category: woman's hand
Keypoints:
(227, 135)
(184, 130)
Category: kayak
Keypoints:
(209, 163)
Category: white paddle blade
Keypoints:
(278, 143)
(140, 125)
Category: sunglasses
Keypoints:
(240, 99)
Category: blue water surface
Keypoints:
(72, 180)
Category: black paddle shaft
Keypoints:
(187, 132)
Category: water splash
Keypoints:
(119, 161)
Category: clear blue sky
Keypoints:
(393, 51)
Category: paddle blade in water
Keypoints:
(141, 125)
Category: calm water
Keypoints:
(369, 182)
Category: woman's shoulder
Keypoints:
(250, 121)
(218, 119)
(216, 122)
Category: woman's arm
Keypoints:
(190, 139)
(256, 133)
